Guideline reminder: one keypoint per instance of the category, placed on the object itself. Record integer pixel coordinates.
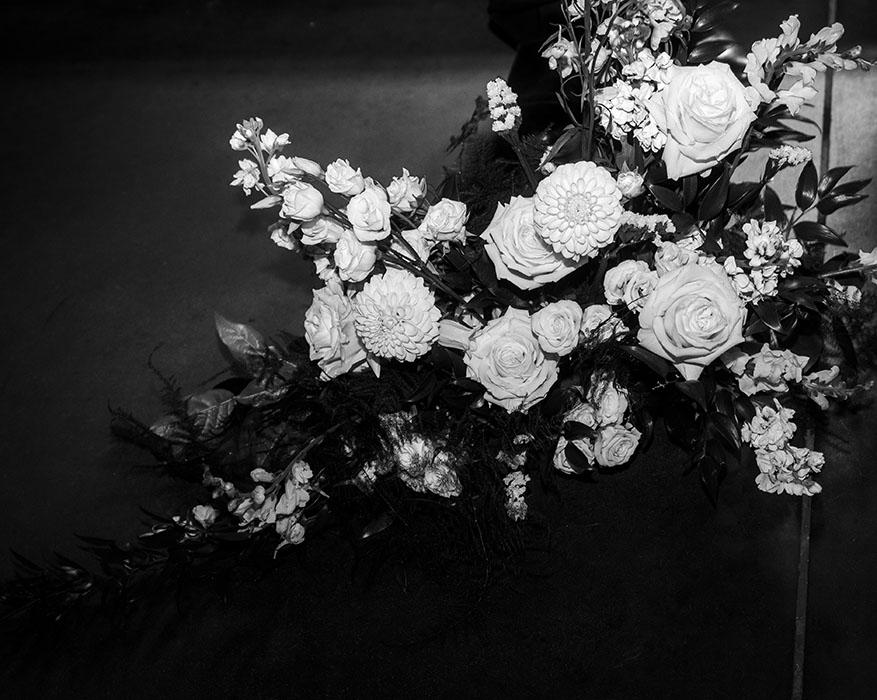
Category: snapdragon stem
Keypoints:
(515, 140)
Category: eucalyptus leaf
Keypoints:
(245, 344)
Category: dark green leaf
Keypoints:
(667, 198)
(845, 341)
(814, 231)
(709, 50)
(769, 313)
(724, 401)
(711, 474)
(805, 192)
(713, 15)
(773, 206)
(852, 187)
(658, 364)
(577, 460)
(573, 430)
(694, 390)
(727, 429)
(831, 178)
(689, 189)
(379, 524)
(744, 408)
(831, 204)
(714, 200)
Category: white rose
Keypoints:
(705, 113)
(692, 316)
(330, 331)
(630, 182)
(670, 256)
(609, 402)
(446, 221)
(618, 279)
(599, 321)
(282, 236)
(369, 214)
(301, 201)
(453, 334)
(405, 192)
(557, 326)
(354, 259)
(506, 358)
(771, 369)
(561, 463)
(615, 445)
(322, 229)
(518, 253)
(343, 179)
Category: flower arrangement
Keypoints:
(542, 313)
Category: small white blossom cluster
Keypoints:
(423, 465)
(665, 16)
(770, 258)
(563, 57)
(503, 104)
(278, 499)
(782, 467)
(767, 370)
(789, 156)
(613, 440)
(659, 224)
(622, 109)
(650, 68)
(799, 63)
(516, 491)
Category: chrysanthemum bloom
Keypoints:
(396, 316)
(578, 209)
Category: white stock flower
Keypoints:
(557, 326)
(396, 316)
(506, 358)
(248, 177)
(705, 112)
(770, 370)
(664, 16)
(615, 444)
(789, 156)
(205, 515)
(405, 192)
(369, 214)
(272, 142)
(354, 259)
(771, 428)
(301, 201)
(789, 470)
(282, 169)
(867, 259)
(322, 229)
(563, 57)
(516, 490)
(519, 255)
(578, 209)
(502, 102)
(446, 221)
(692, 316)
(818, 384)
(341, 178)
(331, 333)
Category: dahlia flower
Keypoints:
(396, 316)
(578, 209)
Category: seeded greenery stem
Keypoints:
(515, 140)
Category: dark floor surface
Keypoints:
(121, 234)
